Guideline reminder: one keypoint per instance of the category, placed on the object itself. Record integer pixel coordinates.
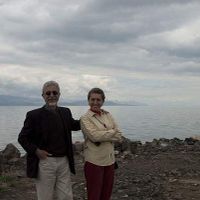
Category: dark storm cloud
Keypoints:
(53, 32)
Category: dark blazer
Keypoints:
(37, 126)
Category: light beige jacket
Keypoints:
(99, 128)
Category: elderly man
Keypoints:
(46, 137)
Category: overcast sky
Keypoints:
(136, 50)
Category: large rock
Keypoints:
(78, 147)
(190, 141)
(134, 145)
(10, 152)
(1, 163)
(123, 146)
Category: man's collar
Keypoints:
(53, 109)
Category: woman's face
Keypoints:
(95, 102)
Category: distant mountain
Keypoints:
(107, 103)
(8, 100)
(126, 103)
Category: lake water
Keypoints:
(142, 123)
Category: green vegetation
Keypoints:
(6, 179)
(6, 182)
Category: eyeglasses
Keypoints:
(48, 93)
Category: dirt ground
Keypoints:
(168, 175)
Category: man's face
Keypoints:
(51, 95)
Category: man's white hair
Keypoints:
(50, 83)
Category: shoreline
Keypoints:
(143, 142)
(164, 169)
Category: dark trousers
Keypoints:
(99, 181)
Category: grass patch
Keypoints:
(6, 182)
(6, 179)
(2, 189)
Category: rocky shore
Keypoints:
(164, 169)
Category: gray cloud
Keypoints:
(93, 42)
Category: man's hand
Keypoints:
(42, 154)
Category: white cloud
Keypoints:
(187, 35)
(135, 50)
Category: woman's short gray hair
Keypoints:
(49, 83)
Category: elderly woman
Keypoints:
(100, 132)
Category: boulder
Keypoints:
(1, 163)
(78, 147)
(134, 146)
(190, 141)
(10, 152)
(124, 145)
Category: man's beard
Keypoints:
(52, 103)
